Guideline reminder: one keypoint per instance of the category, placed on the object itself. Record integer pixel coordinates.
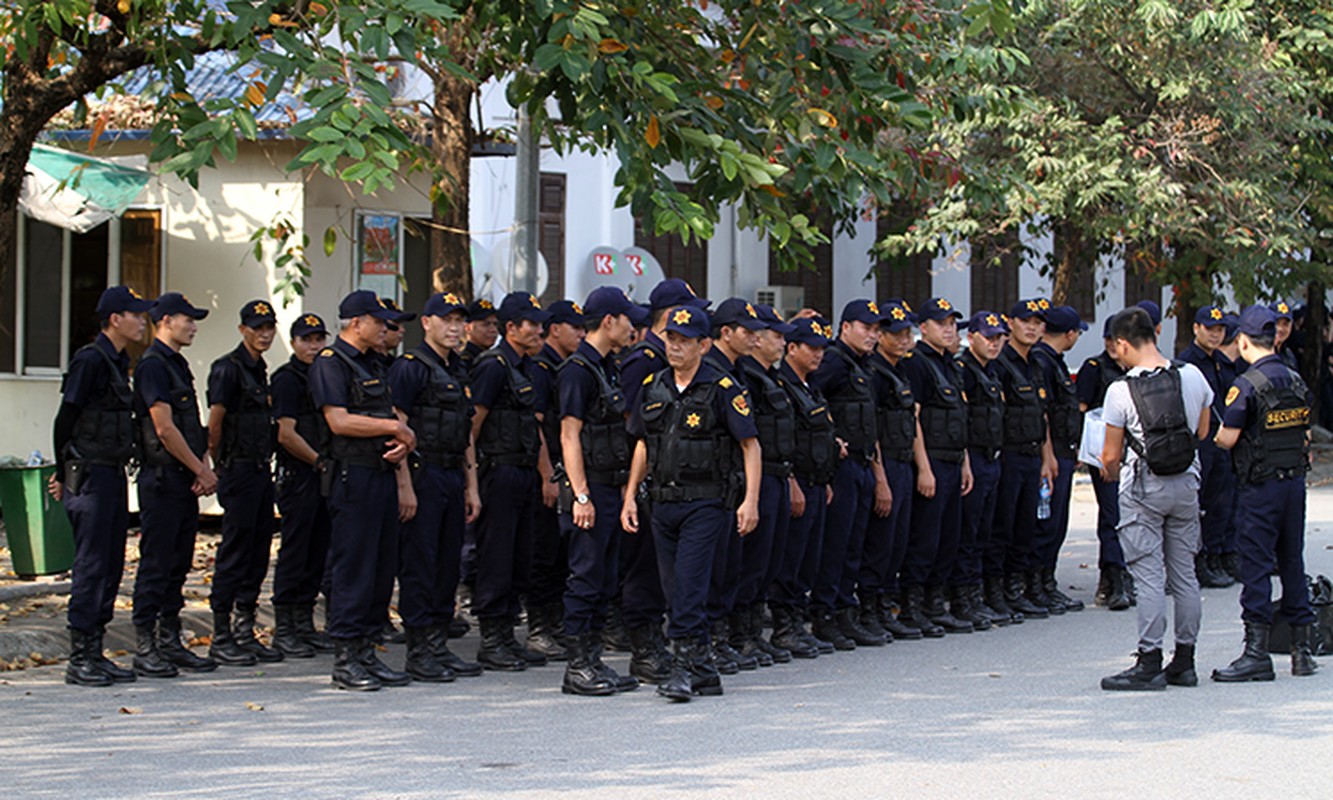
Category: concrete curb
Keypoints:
(15, 591)
(21, 644)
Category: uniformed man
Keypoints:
(887, 536)
(1267, 422)
(1217, 483)
(1063, 327)
(1282, 311)
(1094, 376)
(696, 435)
(943, 475)
(507, 432)
(550, 556)
(94, 440)
(482, 330)
(367, 452)
(596, 457)
(175, 471)
(1233, 365)
(843, 379)
(302, 433)
(240, 441)
(815, 461)
(393, 332)
(642, 604)
(971, 602)
(1026, 462)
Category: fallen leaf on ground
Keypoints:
(254, 706)
(130, 710)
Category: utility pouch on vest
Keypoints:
(326, 479)
(76, 472)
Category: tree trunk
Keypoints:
(1068, 252)
(451, 128)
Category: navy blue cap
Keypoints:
(481, 308)
(1154, 311)
(364, 301)
(442, 304)
(307, 324)
(175, 303)
(674, 292)
(258, 313)
(1258, 320)
(1034, 307)
(690, 321)
(606, 300)
(121, 300)
(1106, 327)
(1281, 310)
(813, 331)
(519, 306)
(737, 311)
(1063, 319)
(866, 311)
(1232, 323)
(1208, 316)
(987, 323)
(938, 308)
(772, 319)
(566, 311)
(392, 305)
(897, 317)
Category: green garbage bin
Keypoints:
(41, 540)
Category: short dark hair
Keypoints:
(105, 322)
(717, 329)
(657, 314)
(1133, 325)
(1265, 341)
(591, 324)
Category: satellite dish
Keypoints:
(644, 271)
(502, 269)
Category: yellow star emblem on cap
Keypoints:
(1282, 308)
(1216, 313)
(263, 309)
(991, 320)
(575, 308)
(485, 304)
(681, 316)
(1044, 304)
(828, 331)
(898, 314)
(692, 421)
(870, 304)
(312, 321)
(451, 299)
(380, 300)
(1032, 306)
(534, 302)
(749, 309)
(943, 304)
(133, 293)
(815, 327)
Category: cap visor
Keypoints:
(783, 328)
(196, 313)
(638, 315)
(136, 307)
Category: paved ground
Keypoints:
(1011, 713)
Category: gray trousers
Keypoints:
(1159, 532)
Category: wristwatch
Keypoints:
(582, 498)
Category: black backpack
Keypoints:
(1168, 444)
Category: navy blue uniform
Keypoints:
(1217, 483)
(887, 537)
(762, 547)
(1066, 424)
(550, 552)
(801, 553)
(730, 549)
(981, 387)
(1094, 376)
(305, 516)
(1012, 539)
(641, 598)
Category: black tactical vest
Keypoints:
(1062, 408)
(896, 414)
(1274, 444)
(510, 434)
(247, 432)
(853, 407)
(551, 420)
(104, 431)
(944, 418)
(1108, 371)
(815, 456)
(369, 398)
(605, 443)
(439, 416)
(310, 423)
(773, 418)
(184, 415)
(1024, 417)
(691, 456)
(985, 408)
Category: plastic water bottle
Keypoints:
(35, 459)
(1044, 503)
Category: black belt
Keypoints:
(510, 460)
(947, 456)
(377, 464)
(986, 454)
(444, 460)
(607, 477)
(777, 469)
(1029, 449)
(686, 494)
(896, 455)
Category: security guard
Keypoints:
(1218, 482)
(696, 435)
(302, 432)
(1233, 365)
(429, 395)
(1282, 311)
(943, 475)
(550, 556)
(887, 536)
(367, 450)
(642, 604)
(1063, 327)
(1096, 374)
(843, 379)
(174, 473)
(1026, 461)
(94, 440)
(393, 333)
(507, 431)
(814, 463)
(482, 330)
(596, 455)
(985, 439)
(240, 441)
(1267, 422)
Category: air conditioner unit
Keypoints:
(786, 300)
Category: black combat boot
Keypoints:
(114, 671)
(786, 635)
(868, 616)
(245, 636)
(893, 624)
(543, 633)
(1254, 663)
(369, 657)
(286, 636)
(937, 612)
(1206, 571)
(723, 652)
(1016, 599)
(494, 652)
(1231, 564)
(1105, 580)
(1302, 651)
(678, 687)
(581, 674)
(304, 615)
(850, 625)
(614, 637)
(348, 672)
(705, 680)
(390, 634)
(148, 662)
(621, 683)
(978, 605)
(825, 627)
(802, 617)
(1035, 592)
(960, 606)
(997, 601)
(647, 662)
(1051, 587)
(172, 646)
(421, 664)
(780, 655)
(439, 647)
(458, 627)
(532, 657)
(745, 641)
(1180, 672)
(80, 670)
(224, 649)
(1145, 676)
(1118, 598)
(914, 613)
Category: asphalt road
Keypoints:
(1009, 713)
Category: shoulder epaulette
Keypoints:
(724, 382)
(648, 378)
(326, 353)
(410, 356)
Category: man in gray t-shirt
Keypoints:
(1159, 514)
